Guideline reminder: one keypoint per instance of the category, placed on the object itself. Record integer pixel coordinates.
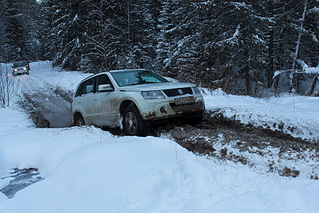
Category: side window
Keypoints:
(85, 87)
(102, 79)
(80, 90)
(89, 86)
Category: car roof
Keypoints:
(110, 71)
(128, 70)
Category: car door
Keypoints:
(105, 103)
(84, 100)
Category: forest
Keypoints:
(247, 47)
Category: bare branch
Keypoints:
(8, 86)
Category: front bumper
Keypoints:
(20, 71)
(167, 108)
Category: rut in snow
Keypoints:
(49, 108)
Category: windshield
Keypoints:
(135, 77)
(19, 63)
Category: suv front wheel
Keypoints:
(133, 124)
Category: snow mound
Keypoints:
(289, 113)
(89, 170)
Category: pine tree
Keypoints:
(295, 37)
(105, 38)
(65, 32)
(96, 35)
(142, 30)
(20, 29)
(3, 43)
(231, 43)
(177, 31)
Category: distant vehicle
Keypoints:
(21, 67)
(133, 100)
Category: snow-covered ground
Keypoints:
(86, 169)
(293, 114)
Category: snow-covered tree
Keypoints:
(142, 30)
(236, 45)
(95, 35)
(19, 29)
(3, 43)
(231, 43)
(105, 37)
(296, 38)
(66, 29)
(177, 43)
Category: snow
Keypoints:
(290, 113)
(308, 70)
(86, 169)
(43, 75)
(232, 39)
(312, 70)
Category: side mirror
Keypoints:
(105, 88)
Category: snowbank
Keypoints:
(293, 114)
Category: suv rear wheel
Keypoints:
(78, 120)
(133, 124)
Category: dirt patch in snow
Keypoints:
(263, 149)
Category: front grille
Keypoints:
(177, 92)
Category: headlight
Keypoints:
(24, 68)
(196, 90)
(156, 94)
(15, 70)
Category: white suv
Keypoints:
(133, 100)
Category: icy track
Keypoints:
(89, 170)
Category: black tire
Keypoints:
(133, 124)
(78, 120)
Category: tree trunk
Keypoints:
(247, 78)
(271, 66)
(292, 86)
(313, 85)
(276, 84)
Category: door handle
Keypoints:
(95, 99)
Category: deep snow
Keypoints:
(89, 170)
